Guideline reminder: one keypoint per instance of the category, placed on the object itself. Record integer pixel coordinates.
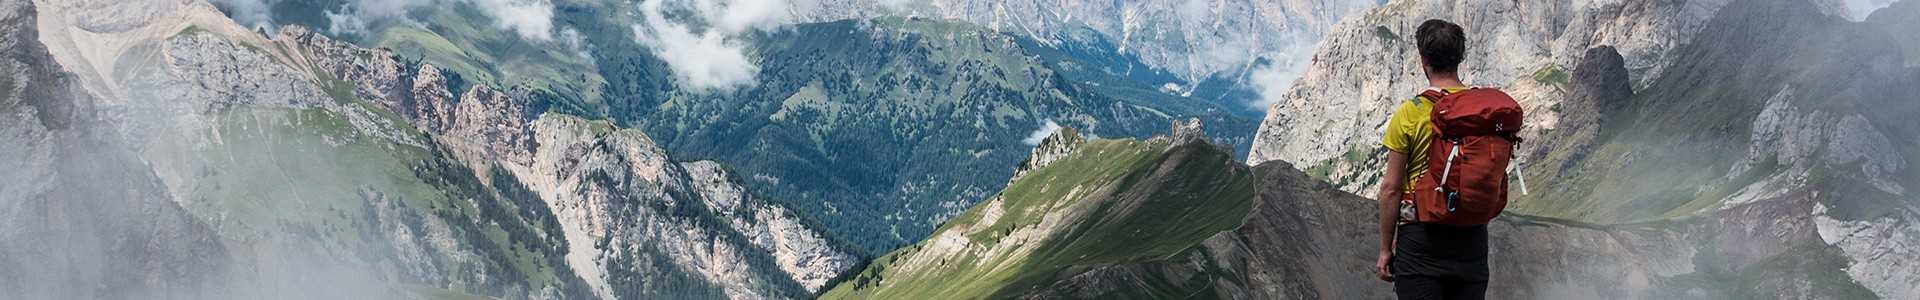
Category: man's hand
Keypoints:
(1380, 266)
(1390, 183)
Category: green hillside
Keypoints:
(884, 128)
(1110, 202)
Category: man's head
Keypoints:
(1442, 46)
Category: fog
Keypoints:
(89, 210)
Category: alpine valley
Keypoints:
(863, 149)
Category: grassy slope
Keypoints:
(307, 171)
(311, 175)
(1124, 201)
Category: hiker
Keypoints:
(1445, 176)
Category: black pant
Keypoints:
(1433, 261)
(1430, 287)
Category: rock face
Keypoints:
(1333, 114)
(629, 214)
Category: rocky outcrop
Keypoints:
(1050, 149)
(1188, 131)
(431, 105)
(1599, 87)
(496, 125)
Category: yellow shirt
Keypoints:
(1409, 132)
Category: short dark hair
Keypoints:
(1442, 45)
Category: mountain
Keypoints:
(1126, 219)
(1193, 40)
(888, 126)
(1077, 205)
(220, 162)
(879, 127)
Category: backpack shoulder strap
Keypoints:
(1434, 94)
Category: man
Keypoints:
(1426, 260)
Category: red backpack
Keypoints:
(1466, 179)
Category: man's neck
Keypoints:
(1445, 81)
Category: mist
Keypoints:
(105, 198)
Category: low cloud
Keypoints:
(579, 43)
(532, 19)
(252, 13)
(1041, 134)
(701, 61)
(702, 42)
(354, 17)
(1272, 80)
(1861, 8)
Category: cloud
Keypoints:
(703, 45)
(741, 15)
(701, 61)
(252, 13)
(1861, 8)
(1041, 134)
(532, 19)
(579, 43)
(353, 17)
(1272, 80)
